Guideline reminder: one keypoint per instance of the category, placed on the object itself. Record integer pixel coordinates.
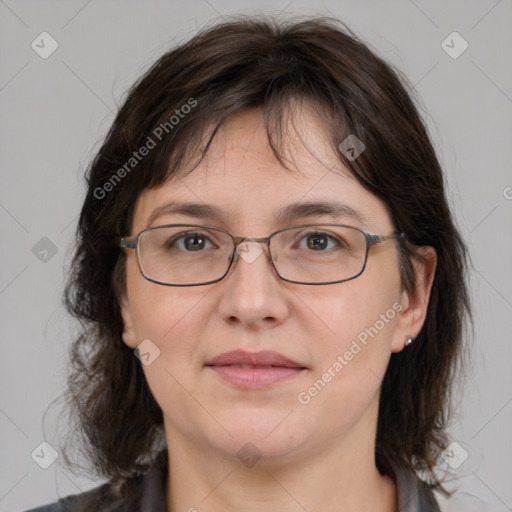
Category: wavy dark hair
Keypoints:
(240, 64)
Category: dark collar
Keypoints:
(413, 494)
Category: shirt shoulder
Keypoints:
(98, 499)
(413, 494)
(77, 502)
(141, 492)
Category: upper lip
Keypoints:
(263, 358)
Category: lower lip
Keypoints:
(255, 378)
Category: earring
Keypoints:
(408, 341)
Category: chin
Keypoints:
(273, 434)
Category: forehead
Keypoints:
(240, 181)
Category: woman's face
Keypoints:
(340, 335)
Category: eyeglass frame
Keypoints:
(132, 242)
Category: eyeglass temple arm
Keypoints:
(127, 242)
(377, 239)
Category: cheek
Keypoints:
(357, 310)
(158, 312)
(353, 356)
(360, 317)
(167, 316)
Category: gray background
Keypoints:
(55, 111)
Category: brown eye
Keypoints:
(189, 242)
(319, 241)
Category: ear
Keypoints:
(415, 303)
(129, 336)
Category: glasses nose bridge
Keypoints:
(237, 240)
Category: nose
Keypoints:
(252, 292)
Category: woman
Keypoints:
(271, 284)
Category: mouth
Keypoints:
(255, 370)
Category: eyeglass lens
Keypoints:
(194, 254)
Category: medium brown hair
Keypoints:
(226, 69)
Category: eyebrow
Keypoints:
(290, 212)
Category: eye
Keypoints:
(189, 242)
(319, 240)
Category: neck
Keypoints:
(337, 478)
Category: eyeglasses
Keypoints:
(192, 255)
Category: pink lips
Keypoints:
(254, 370)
